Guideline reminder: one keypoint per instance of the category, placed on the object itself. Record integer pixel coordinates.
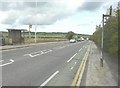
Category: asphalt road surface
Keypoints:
(42, 65)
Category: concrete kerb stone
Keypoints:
(14, 47)
(28, 45)
(78, 77)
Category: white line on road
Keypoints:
(73, 66)
(11, 61)
(80, 49)
(42, 53)
(72, 57)
(38, 53)
(75, 62)
(53, 75)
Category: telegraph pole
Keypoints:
(102, 39)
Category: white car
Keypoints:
(72, 40)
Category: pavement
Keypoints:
(95, 75)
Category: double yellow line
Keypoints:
(79, 74)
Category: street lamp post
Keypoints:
(36, 23)
(102, 39)
(118, 15)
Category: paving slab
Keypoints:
(97, 75)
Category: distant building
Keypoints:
(15, 36)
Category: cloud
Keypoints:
(90, 6)
(26, 12)
(6, 6)
(46, 13)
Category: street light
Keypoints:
(119, 14)
(103, 21)
(36, 22)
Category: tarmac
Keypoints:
(94, 74)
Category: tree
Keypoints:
(70, 34)
(111, 35)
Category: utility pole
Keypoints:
(102, 39)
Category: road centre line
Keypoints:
(72, 57)
(52, 76)
(80, 49)
(11, 61)
(71, 68)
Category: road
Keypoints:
(42, 65)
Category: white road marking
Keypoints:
(53, 75)
(35, 52)
(80, 49)
(72, 57)
(73, 66)
(35, 55)
(41, 53)
(38, 53)
(75, 62)
(11, 61)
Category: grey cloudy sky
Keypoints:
(61, 16)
